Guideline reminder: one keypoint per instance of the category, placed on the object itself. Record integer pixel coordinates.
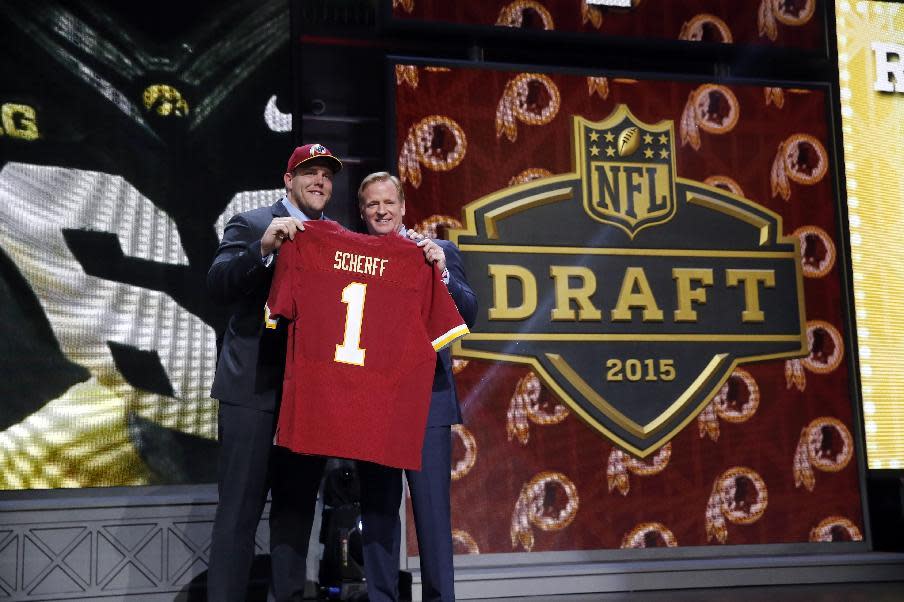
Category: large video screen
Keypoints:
(128, 138)
(871, 74)
(659, 358)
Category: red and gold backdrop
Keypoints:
(772, 458)
(778, 23)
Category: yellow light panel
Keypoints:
(871, 74)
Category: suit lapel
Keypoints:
(279, 210)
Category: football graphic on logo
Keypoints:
(628, 141)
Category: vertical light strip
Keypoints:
(873, 153)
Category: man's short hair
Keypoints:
(380, 176)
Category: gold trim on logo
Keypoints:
(469, 211)
(638, 430)
(716, 205)
(557, 389)
(536, 200)
(628, 337)
(539, 250)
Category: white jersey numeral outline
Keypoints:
(350, 352)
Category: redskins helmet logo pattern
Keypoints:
(528, 175)
(525, 407)
(591, 14)
(817, 251)
(526, 14)
(463, 543)
(406, 5)
(598, 86)
(826, 352)
(776, 96)
(835, 528)
(406, 74)
(711, 108)
(436, 226)
(771, 16)
(530, 98)
(772, 12)
(705, 28)
(739, 496)
(463, 466)
(621, 463)
(801, 158)
(725, 183)
(825, 444)
(539, 504)
(649, 535)
(540, 474)
(436, 142)
(736, 402)
(826, 347)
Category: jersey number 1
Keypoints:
(350, 352)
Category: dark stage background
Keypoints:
(130, 136)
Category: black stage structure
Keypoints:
(259, 78)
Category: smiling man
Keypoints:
(381, 202)
(248, 385)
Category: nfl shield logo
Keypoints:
(628, 169)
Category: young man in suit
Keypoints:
(248, 385)
(381, 202)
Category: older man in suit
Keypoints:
(248, 385)
(381, 203)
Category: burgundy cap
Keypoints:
(313, 152)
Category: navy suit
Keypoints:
(381, 486)
(248, 384)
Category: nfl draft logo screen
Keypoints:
(631, 292)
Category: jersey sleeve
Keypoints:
(441, 318)
(281, 301)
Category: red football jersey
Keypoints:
(367, 317)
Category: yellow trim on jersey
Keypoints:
(442, 341)
(268, 321)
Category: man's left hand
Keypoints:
(433, 253)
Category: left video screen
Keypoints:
(128, 139)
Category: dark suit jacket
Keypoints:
(444, 408)
(251, 359)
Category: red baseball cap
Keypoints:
(313, 153)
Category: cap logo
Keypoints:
(319, 149)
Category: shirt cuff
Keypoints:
(445, 275)
(267, 260)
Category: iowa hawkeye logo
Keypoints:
(631, 292)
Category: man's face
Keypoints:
(381, 208)
(309, 188)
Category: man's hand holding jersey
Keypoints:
(280, 229)
(433, 253)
